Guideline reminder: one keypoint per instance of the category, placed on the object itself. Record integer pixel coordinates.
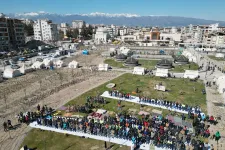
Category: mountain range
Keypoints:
(117, 19)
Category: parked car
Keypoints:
(39, 59)
(15, 66)
(22, 59)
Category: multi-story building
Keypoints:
(102, 35)
(64, 27)
(45, 30)
(78, 24)
(11, 33)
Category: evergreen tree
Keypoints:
(28, 29)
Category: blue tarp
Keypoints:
(85, 52)
(161, 51)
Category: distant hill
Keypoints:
(118, 19)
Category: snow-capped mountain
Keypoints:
(117, 19)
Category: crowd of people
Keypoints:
(155, 130)
(168, 104)
(91, 102)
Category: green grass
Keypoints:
(182, 68)
(215, 58)
(148, 64)
(114, 63)
(49, 140)
(129, 83)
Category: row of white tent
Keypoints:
(206, 49)
(46, 63)
(160, 72)
(220, 82)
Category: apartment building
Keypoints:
(11, 33)
(64, 27)
(45, 30)
(78, 24)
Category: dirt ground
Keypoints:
(46, 87)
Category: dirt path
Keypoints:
(56, 100)
(215, 102)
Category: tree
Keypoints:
(61, 35)
(28, 29)
(87, 32)
(72, 33)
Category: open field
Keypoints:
(148, 64)
(215, 58)
(56, 141)
(129, 83)
(182, 68)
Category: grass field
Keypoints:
(215, 58)
(148, 64)
(129, 83)
(46, 140)
(114, 63)
(182, 68)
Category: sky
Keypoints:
(205, 9)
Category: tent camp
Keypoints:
(190, 56)
(103, 67)
(73, 64)
(219, 55)
(220, 82)
(160, 72)
(38, 65)
(59, 64)
(191, 74)
(139, 70)
(10, 73)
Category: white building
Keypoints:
(129, 38)
(78, 24)
(170, 36)
(123, 31)
(45, 30)
(101, 35)
(64, 28)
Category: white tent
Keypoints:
(73, 64)
(190, 56)
(47, 62)
(25, 70)
(124, 50)
(103, 67)
(219, 55)
(160, 72)
(38, 65)
(139, 70)
(10, 73)
(221, 84)
(59, 64)
(191, 74)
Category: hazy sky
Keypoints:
(206, 9)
